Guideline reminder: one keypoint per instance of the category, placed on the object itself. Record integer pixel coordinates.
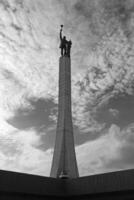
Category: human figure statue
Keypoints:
(68, 46)
(63, 43)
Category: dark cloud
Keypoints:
(37, 116)
(125, 106)
(84, 8)
(121, 11)
(104, 16)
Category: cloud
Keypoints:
(110, 152)
(28, 64)
(31, 55)
(35, 116)
(19, 151)
(111, 76)
(93, 155)
(114, 112)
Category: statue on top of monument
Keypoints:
(64, 44)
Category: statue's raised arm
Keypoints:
(63, 42)
(61, 32)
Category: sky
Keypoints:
(102, 62)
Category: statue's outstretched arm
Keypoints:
(60, 34)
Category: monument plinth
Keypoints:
(64, 163)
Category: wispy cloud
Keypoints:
(103, 82)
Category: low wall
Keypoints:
(109, 186)
(18, 185)
(103, 183)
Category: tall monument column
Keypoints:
(64, 164)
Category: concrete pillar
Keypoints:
(64, 163)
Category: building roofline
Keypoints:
(119, 181)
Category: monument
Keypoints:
(63, 183)
(64, 163)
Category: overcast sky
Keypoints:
(102, 32)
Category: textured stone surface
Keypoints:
(64, 159)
